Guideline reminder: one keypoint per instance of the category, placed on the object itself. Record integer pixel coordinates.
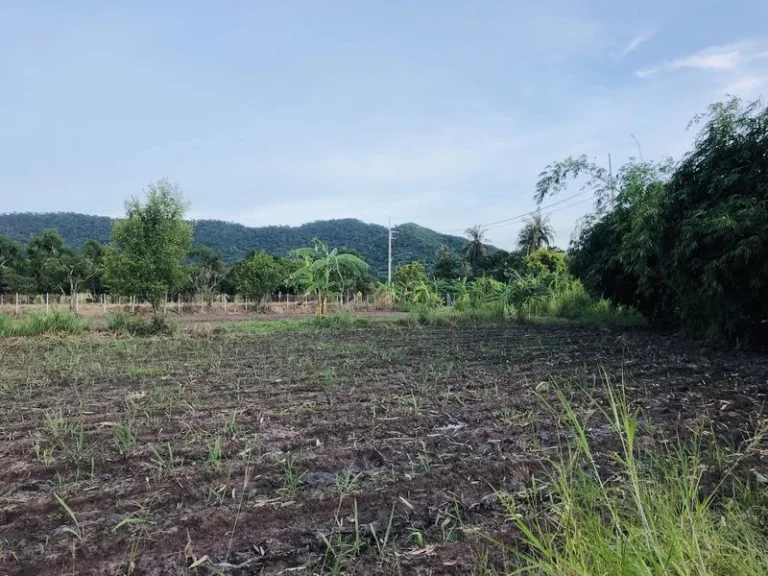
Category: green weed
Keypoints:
(646, 514)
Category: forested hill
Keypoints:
(412, 242)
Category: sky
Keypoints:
(439, 112)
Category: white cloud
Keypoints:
(726, 58)
(748, 86)
(635, 43)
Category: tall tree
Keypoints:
(93, 251)
(148, 246)
(58, 268)
(536, 233)
(446, 264)
(475, 247)
(258, 275)
(325, 271)
(206, 273)
(13, 267)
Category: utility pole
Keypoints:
(389, 259)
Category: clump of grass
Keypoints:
(42, 323)
(340, 320)
(648, 513)
(123, 323)
(292, 478)
(123, 437)
(489, 314)
(573, 303)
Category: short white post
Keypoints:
(46, 303)
(17, 303)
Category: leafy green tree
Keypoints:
(325, 271)
(41, 250)
(290, 283)
(58, 268)
(13, 268)
(410, 274)
(93, 251)
(475, 248)
(447, 266)
(537, 233)
(544, 261)
(258, 275)
(206, 273)
(149, 245)
(714, 229)
(687, 244)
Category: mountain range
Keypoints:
(412, 242)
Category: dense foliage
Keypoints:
(685, 244)
(148, 246)
(235, 241)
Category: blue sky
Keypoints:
(282, 112)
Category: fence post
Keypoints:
(46, 302)
(17, 303)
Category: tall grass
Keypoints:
(122, 323)
(573, 303)
(676, 510)
(41, 323)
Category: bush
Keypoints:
(647, 514)
(123, 323)
(686, 244)
(42, 323)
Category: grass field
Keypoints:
(384, 449)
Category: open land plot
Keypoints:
(376, 450)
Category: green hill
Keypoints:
(412, 242)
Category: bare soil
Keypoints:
(411, 429)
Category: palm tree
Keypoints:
(325, 271)
(536, 233)
(474, 249)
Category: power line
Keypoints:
(546, 213)
(532, 212)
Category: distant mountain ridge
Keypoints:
(413, 242)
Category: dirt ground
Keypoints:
(279, 454)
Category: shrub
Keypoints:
(123, 323)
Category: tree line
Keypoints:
(685, 243)
(150, 257)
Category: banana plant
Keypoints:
(461, 298)
(424, 294)
(523, 292)
(324, 272)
